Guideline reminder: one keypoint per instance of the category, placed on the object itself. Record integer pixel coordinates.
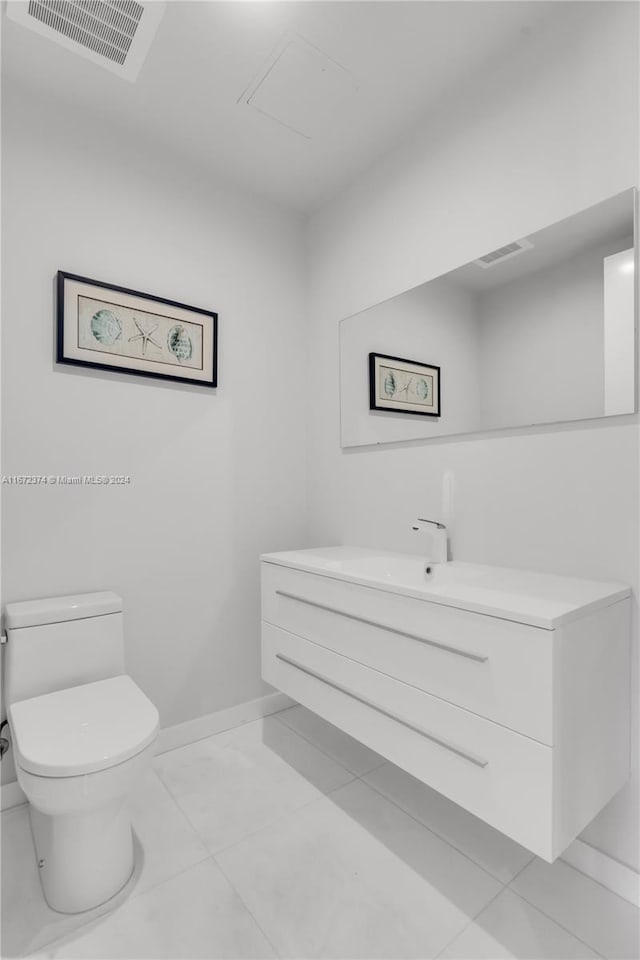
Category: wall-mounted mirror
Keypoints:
(542, 330)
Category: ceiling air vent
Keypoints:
(503, 253)
(116, 34)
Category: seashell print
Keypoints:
(422, 388)
(106, 327)
(390, 384)
(179, 343)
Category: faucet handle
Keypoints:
(436, 533)
(436, 523)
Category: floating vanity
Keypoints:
(505, 690)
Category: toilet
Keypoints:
(83, 733)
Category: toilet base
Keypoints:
(84, 859)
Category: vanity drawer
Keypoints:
(496, 668)
(502, 777)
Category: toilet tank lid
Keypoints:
(33, 613)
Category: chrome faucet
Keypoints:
(438, 534)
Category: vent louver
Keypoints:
(503, 253)
(114, 33)
(105, 28)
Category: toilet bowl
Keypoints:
(79, 749)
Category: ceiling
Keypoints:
(400, 59)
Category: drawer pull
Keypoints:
(472, 758)
(382, 626)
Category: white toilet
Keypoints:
(82, 733)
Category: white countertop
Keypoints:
(540, 599)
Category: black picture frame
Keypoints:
(418, 405)
(74, 330)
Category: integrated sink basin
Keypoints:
(389, 567)
(540, 599)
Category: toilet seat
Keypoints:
(82, 729)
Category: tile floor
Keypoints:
(286, 838)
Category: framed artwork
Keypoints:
(114, 328)
(404, 386)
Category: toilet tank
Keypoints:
(61, 642)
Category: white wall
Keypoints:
(549, 133)
(542, 343)
(217, 477)
(436, 323)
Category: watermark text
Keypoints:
(63, 480)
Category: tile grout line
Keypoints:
(70, 934)
(245, 905)
(521, 870)
(366, 773)
(326, 796)
(133, 894)
(443, 839)
(128, 898)
(184, 816)
(201, 839)
(279, 820)
(208, 854)
(503, 886)
(553, 919)
(470, 921)
(321, 796)
(72, 930)
(85, 924)
(507, 886)
(174, 799)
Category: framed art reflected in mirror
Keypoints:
(404, 386)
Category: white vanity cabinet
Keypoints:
(521, 718)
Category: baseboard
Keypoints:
(180, 734)
(615, 876)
